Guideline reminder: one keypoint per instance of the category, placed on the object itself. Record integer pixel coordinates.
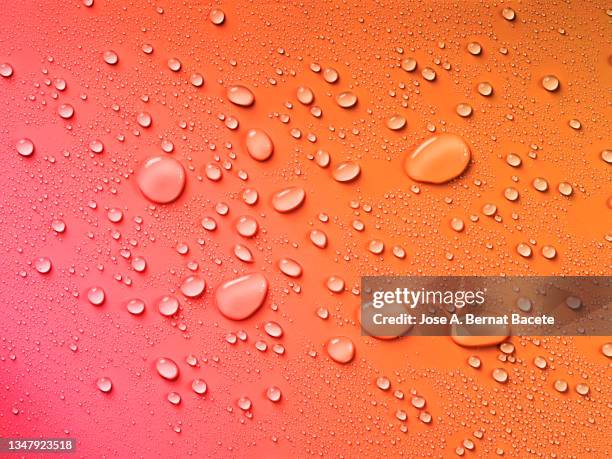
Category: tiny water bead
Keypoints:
(240, 298)
(25, 147)
(193, 286)
(104, 384)
(135, 306)
(161, 179)
(341, 349)
(259, 144)
(288, 199)
(240, 95)
(439, 159)
(167, 368)
(168, 305)
(346, 171)
(96, 296)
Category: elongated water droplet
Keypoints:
(439, 159)
(259, 144)
(240, 95)
(288, 199)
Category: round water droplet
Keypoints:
(474, 48)
(193, 286)
(548, 251)
(523, 250)
(259, 145)
(540, 184)
(240, 95)
(322, 158)
(335, 284)
(560, 385)
(288, 199)
(305, 95)
(439, 159)
(500, 375)
(273, 393)
(104, 384)
(582, 389)
(429, 74)
(247, 226)
(383, 383)
(508, 14)
(196, 79)
(565, 189)
(144, 119)
(606, 350)
(174, 64)
(135, 306)
(199, 386)
(346, 99)
(42, 265)
(6, 70)
(239, 298)
(65, 111)
(96, 296)
(96, 146)
(161, 179)
(341, 349)
(606, 155)
(396, 122)
(330, 75)
(110, 57)
(346, 171)
(168, 305)
(457, 224)
(167, 368)
(474, 361)
(485, 89)
(290, 267)
(217, 16)
(174, 398)
(540, 362)
(25, 147)
(409, 64)
(550, 83)
(464, 110)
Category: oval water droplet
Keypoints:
(240, 95)
(346, 171)
(240, 298)
(193, 286)
(259, 145)
(288, 199)
(167, 368)
(439, 159)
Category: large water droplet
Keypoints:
(259, 144)
(346, 171)
(25, 147)
(288, 199)
(96, 296)
(167, 368)
(438, 159)
(193, 286)
(341, 349)
(240, 298)
(161, 179)
(104, 384)
(240, 95)
(168, 305)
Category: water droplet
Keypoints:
(247, 226)
(110, 57)
(193, 286)
(485, 89)
(274, 394)
(96, 146)
(318, 238)
(168, 305)
(174, 398)
(25, 147)
(161, 179)
(6, 70)
(474, 48)
(550, 83)
(560, 385)
(540, 184)
(199, 386)
(606, 155)
(322, 158)
(244, 403)
(429, 74)
(330, 75)
(104, 384)
(114, 215)
(540, 362)
(383, 383)
(409, 64)
(305, 95)
(438, 159)
(346, 171)
(288, 199)
(58, 226)
(240, 95)
(511, 194)
(174, 64)
(513, 160)
(341, 349)
(474, 361)
(457, 224)
(290, 267)
(523, 250)
(508, 14)
(464, 110)
(196, 79)
(606, 350)
(239, 298)
(65, 111)
(500, 375)
(135, 306)
(376, 246)
(548, 251)
(273, 329)
(243, 253)
(396, 122)
(96, 296)
(582, 389)
(335, 284)
(346, 99)
(217, 16)
(565, 189)
(144, 119)
(42, 265)
(167, 368)
(259, 145)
